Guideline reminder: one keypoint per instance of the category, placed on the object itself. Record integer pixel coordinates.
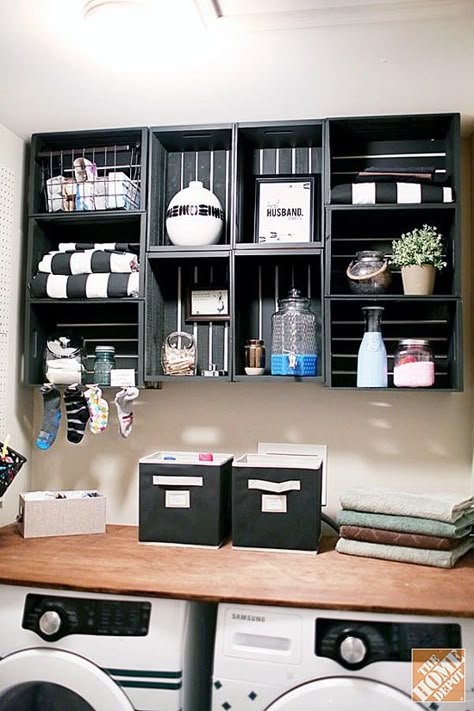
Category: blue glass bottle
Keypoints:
(372, 357)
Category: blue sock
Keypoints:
(51, 418)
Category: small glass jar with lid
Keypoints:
(104, 363)
(413, 365)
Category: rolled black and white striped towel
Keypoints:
(106, 246)
(85, 286)
(88, 262)
(387, 193)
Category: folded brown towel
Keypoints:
(394, 538)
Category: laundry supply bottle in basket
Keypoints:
(294, 337)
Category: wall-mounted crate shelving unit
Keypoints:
(230, 159)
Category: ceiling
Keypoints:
(206, 61)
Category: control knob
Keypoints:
(353, 650)
(50, 622)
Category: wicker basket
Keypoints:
(10, 465)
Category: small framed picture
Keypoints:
(284, 209)
(207, 305)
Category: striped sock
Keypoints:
(77, 413)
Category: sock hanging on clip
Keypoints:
(51, 417)
(77, 413)
(124, 403)
(98, 409)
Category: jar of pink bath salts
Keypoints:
(413, 365)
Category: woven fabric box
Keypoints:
(276, 502)
(62, 513)
(183, 500)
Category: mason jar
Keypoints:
(104, 363)
(413, 365)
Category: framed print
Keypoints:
(207, 305)
(284, 209)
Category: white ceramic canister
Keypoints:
(194, 217)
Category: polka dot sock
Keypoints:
(124, 403)
(51, 418)
(98, 409)
(77, 413)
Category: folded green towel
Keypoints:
(442, 507)
(408, 524)
(403, 554)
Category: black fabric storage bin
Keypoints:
(276, 502)
(183, 500)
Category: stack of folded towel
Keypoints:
(87, 271)
(398, 184)
(429, 529)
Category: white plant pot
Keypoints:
(194, 217)
(418, 279)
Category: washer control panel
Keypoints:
(356, 643)
(53, 617)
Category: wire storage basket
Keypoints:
(10, 464)
(92, 178)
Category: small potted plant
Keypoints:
(419, 254)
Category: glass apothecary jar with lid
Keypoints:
(294, 337)
(413, 365)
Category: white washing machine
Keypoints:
(283, 659)
(95, 652)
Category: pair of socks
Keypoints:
(82, 407)
(76, 410)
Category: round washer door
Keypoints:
(64, 669)
(342, 693)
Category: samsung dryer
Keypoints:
(98, 652)
(291, 659)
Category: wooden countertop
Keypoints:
(115, 562)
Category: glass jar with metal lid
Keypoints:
(413, 365)
(104, 363)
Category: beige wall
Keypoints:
(19, 412)
(402, 439)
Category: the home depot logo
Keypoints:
(438, 674)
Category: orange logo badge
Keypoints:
(438, 675)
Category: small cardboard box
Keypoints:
(61, 513)
(184, 500)
(276, 500)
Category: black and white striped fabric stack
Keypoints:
(81, 270)
(399, 185)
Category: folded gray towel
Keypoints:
(408, 524)
(403, 554)
(441, 507)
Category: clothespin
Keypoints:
(5, 447)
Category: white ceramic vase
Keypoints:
(194, 217)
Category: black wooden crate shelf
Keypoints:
(112, 150)
(276, 149)
(46, 234)
(438, 320)
(354, 144)
(179, 155)
(112, 322)
(168, 283)
(351, 232)
(260, 280)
